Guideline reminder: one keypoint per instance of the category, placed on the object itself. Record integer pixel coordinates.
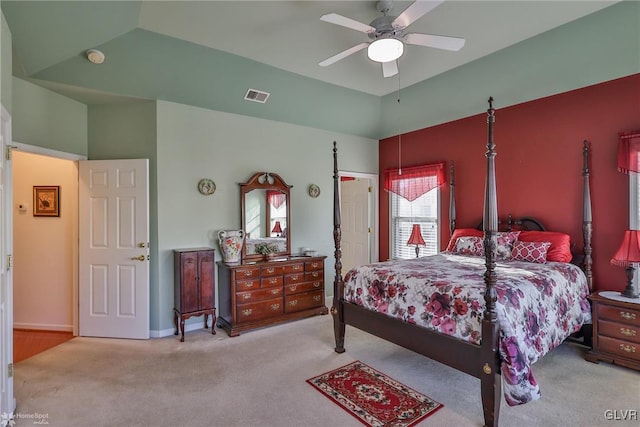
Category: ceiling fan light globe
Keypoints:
(385, 50)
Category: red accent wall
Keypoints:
(538, 166)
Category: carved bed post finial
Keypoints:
(338, 284)
(452, 199)
(587, 229)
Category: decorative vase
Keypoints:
(230, 242)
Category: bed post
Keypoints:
(452, 199)
(586, 216)
(338, 284)
(490, 381)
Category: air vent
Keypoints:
(256, 96)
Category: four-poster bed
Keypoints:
(499, 336)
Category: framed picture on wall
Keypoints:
(46, 200)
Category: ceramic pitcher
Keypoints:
(230, 242)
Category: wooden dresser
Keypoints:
(253, 295)
(194, 286)
(616, 332)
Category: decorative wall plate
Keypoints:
(206, 186)
(314, 191)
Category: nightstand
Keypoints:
(616, 330)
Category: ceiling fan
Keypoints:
(388, 36)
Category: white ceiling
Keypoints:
(289, 34)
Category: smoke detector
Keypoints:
(256, 96)
(95, 56)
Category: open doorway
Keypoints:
(359, 219)
(45, 250)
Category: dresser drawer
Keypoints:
(293, 278)
(619, 347)
(298, 302)
(258, 295)
(259, 310)
(294, 268)
(272, 270)
(303, 287)
(247, 285)
(247, 273)
(313, 275)
(617, 314)
(313, 265)
(269, 282)
(619, 330)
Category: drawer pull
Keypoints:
(247, 312)
(294, 277)
(249, 285)
(275, 307)
(297, 267)
(628, 332)
(316, 284)
(248, 273)
(628, 348)
(627, 315)
(293, 303)
(293, 288)
(316, 297)
(273, 281)
(314, 264)
(246, 296)
(315, 274)
(275, 291)
(271, 270)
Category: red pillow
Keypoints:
(530, 251)
(462, 232)
(560, 250)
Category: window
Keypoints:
(414, 198)
(423, 211)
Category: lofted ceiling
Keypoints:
(286, 35)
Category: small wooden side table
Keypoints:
(616, 330)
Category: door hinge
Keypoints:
(8, 153)
(369, 229)
(10, 370)
(369, 189)
(9, 262)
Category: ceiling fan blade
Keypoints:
(432, 40)
(416, 10)
(334, 18)
(389, 69)
(343, 54)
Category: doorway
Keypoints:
(359, 218)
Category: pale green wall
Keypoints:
(129, 132)
(5, 65)
(46, 119)
(599, 47)
(195, 143)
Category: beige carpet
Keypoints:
(258, 379)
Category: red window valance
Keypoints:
(414, 181)
(629, 152)
(276, 198)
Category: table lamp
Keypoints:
(277, 228)
(416, 239)
(627, 256)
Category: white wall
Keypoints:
(44, 264)
(195, 143)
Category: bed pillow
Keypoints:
(506, 239)
(560, 249)
(461, 232)
(469, 245)
(530, 251)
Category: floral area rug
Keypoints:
(374, 398)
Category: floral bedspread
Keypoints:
(539, 305)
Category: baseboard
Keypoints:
(43, 327)
(167, 332)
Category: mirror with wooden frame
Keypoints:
(265, 202)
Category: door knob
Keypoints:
(139, 258)
(142, 245)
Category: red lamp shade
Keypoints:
(277, 228)
(629, 251)
(416, 236)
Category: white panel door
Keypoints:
(354, 205)
(7, 400)
(114, 248)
